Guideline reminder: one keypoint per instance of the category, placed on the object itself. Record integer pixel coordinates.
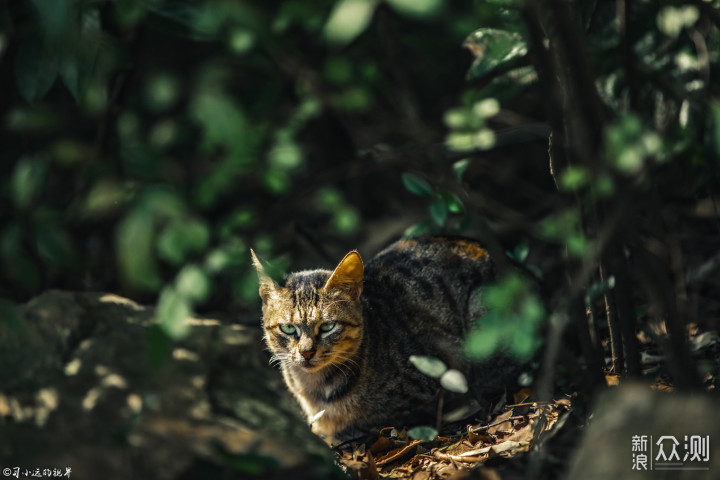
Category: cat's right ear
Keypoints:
(267, 284)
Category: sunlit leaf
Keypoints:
(574, 178)
(493, 48)
(455, 381)
(348, 19)
(452, 202)
(486, 108)
(424, 433)
(460, 166)
(671, 20)
(417, 8)
(172, 312)
(192, 283)
(431, 366)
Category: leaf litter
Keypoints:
(459, 446)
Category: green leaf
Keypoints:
(574, 178)
(459, 167)
(193, 283)
(482, 343)
(135, 250)
(182, 237)
(598, 289)
(417, 185)
(423, 228)
(430, 366)
(348, 19)
(493, 48)
(417, 8)
(27, 180)
(173, 311)
(438, 211)
(54, 244)
(455, 381)
(452, 202)
(423, 433)
(36, 68)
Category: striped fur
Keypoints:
(416, 297)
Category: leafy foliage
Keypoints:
(148, 144)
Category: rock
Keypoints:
(87, 382)
(626, 414)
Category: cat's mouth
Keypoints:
(312, 365)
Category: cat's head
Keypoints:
(315, 320)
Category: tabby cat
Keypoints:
(343, 339)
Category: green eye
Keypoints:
(288, 329)
(327, 326)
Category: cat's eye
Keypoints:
(288, 329)
(327, 326)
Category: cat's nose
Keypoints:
(308, 354)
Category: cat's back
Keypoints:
(426, 287)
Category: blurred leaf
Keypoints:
(161, 92)
(424, 433)
(27, 180)
(482, 343)
(181, 237)
(348, 19)
(520, 253)
(36, 68)
(105, 197)
(574, 178)
(417, 185)
(598, 289)
(192, 283)
(136, 250)
(493, 48)
(454, 381)
(438, 211)
(423, 228)
(54, 244)
(17, 267)
(452, 202)
(515, 313)
(671, 20)
(486, 108)
(430, 366)
(417, 8)
(460, 166)
(173, 311)
(346, 220)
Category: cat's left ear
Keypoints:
(267, 284)
(347, 276)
